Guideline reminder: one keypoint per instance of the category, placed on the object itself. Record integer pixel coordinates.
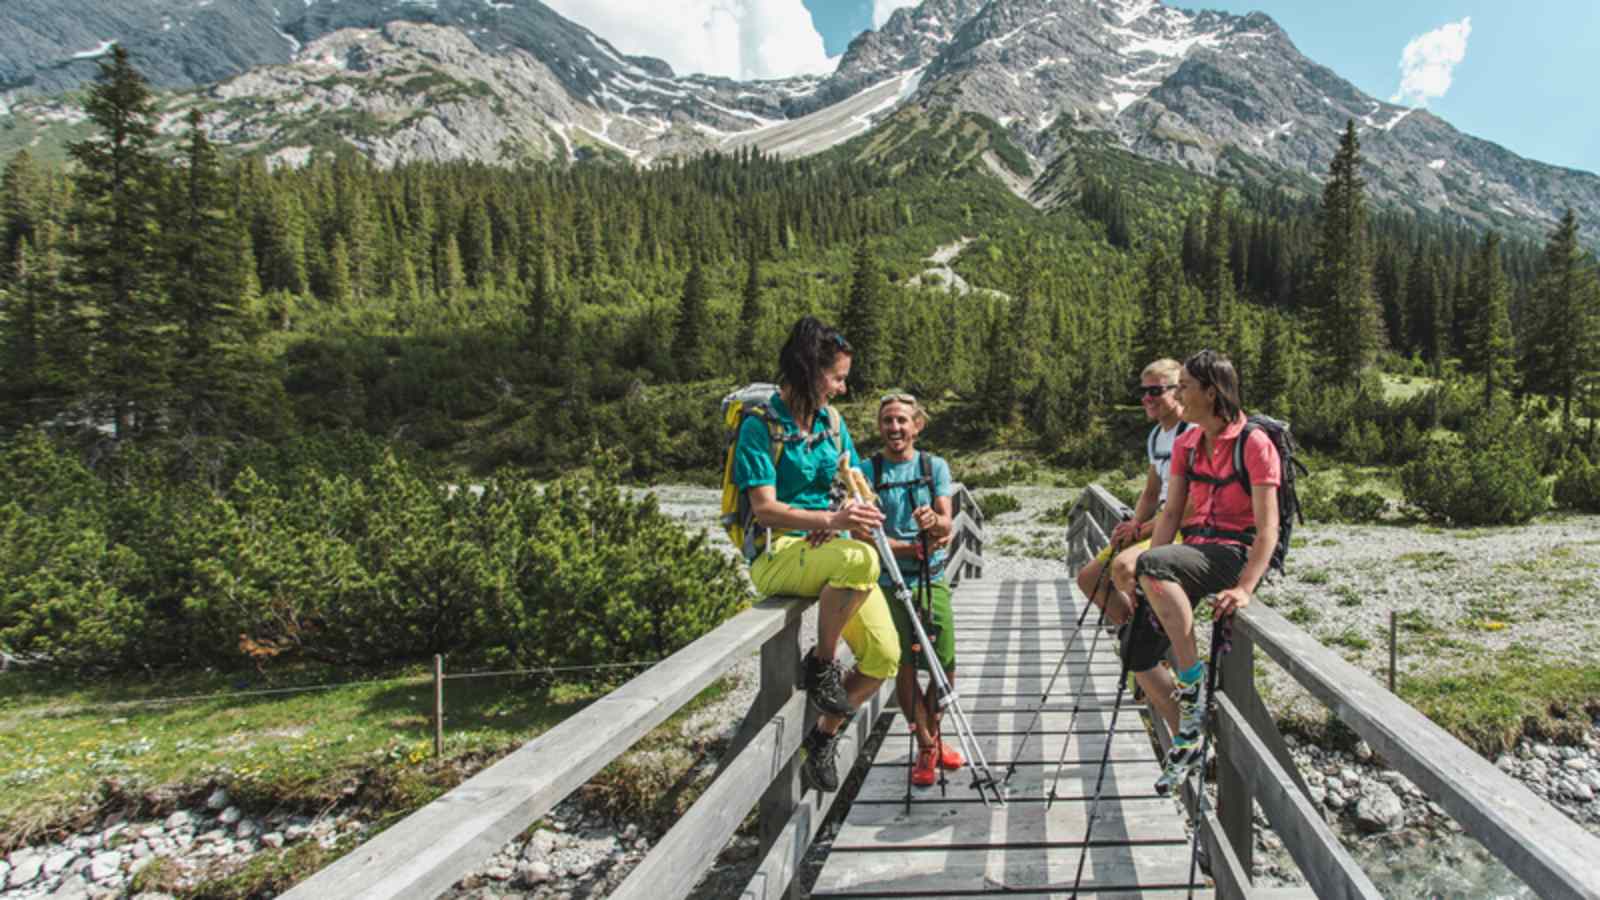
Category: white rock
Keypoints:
(498, 873)
(1379, 809)
(58, 861)
(632, 831)
(1363, 751)
(218, 800)
(641, 844)
(272, 839)
(105, 865)
(533, 873)
(230, 816)
(140, 850)
(152, 831)
(1506, 763)
(247, 828)
(212, 836)
(1333, 799)
(179, 820)
(1577, 764)
(74, 888)
(5, 871)
(295, 832)
(25, 868)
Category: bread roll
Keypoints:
(855, 483)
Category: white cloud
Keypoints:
(737, 38)
(1429, 61)
(883, 9)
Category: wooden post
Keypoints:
(1392, 653)
(1235, 802)
(780, 676)
(438, 705)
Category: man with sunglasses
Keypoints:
(1157, 393)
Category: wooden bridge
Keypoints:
(1011, 636)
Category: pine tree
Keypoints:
(863, 321)
(1560, 352)
(1281, 369)
(745, 347)
(1217, 277)
(1491, 342)
(1163, 286)
(208, 278)
(115, 260)
(694, 321)
(1343, 287)
(1429, 335)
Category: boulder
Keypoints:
(1378, 809)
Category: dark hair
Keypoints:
(810, 350)
(1213, 370)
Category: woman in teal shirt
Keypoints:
(790, 495)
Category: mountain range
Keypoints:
(508, 81)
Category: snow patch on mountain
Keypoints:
(97, 52)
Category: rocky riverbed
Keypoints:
(1406, 842)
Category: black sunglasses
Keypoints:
(1154, 390)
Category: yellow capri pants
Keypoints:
(792, 566)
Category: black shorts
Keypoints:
(1200, 569)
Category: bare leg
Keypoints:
(1158, 686)
(909, 693)
(859, 688)
(934, 713)
(1089, 579)
(835, 606)
(1171, 606)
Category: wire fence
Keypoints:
(435, 677)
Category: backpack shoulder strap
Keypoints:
(1240, 472)
(927, 468)
(1150, 444)
(877, 473)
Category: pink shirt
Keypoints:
(1224, 507)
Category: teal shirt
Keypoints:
(897, 504)
(804, 473)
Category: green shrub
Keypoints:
(1359, 506)
(1578, 485)
(1362, 443)
(997, 505)
(1493, 484)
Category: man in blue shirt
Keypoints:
(914, 490)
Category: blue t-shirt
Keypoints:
(898, 502)
(805, 469)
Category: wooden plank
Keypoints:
(1327, 866)
(1016, 721)
(1077, 780)
(688, 849)
(1131, 746)
(919, 873)
(1231, 875)
(1553, 854)
(439, 844)
(1031, 824)
(775, 877)
(967, 523)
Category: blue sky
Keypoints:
(1525, 81)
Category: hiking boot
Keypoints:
(925, 772)
(949, 757)
(1188, 749)
(825, 685)
(820, 771)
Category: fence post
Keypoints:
(1235, 803)
(1392, 654)
(438, 705)
(780, 675)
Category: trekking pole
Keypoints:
(1221, 642)
(925, 604)
(984, 783)
(1061, 663)
(1077, 706)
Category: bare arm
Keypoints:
(774, 513)
(1264, 503)
(1171, 514)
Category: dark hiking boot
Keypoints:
(820, 771)
(825, 686)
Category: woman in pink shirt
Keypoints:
(1229, 533)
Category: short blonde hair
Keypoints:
(918, 414)
(1165, 369)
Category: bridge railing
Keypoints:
(430, 850)
(1553, 855)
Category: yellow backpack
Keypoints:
(738, 518)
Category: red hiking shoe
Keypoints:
(923, 773)
(950, 757)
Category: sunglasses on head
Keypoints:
(1154, 390)
(896, 398)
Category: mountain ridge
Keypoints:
(516, 81)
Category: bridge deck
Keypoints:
(1010, 636)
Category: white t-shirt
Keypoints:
(1159, 450)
